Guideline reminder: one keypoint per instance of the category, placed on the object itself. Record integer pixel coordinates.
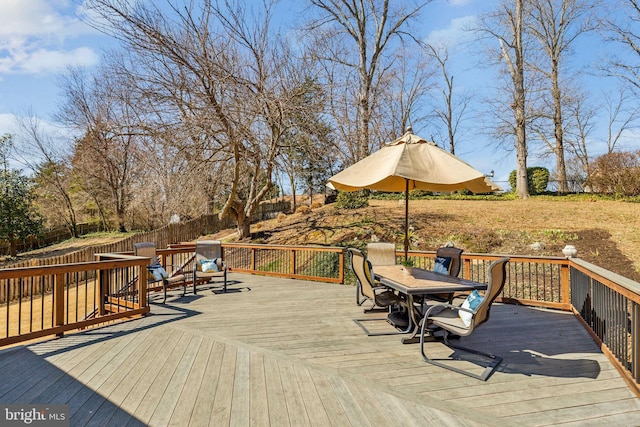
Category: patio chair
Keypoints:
(448, 261)
(379, 295)
(381, 253)
(208, 263)
(378, 253)
(463, 320)
(155, 272)
(453, 256)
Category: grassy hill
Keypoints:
(605, 232)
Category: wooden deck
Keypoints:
(284, 352)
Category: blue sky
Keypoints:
(40, 38)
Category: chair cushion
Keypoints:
(158, 272)
(442, 264)
(209, 265)
(471, 302)
(450, 320)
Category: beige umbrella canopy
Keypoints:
(409, 163)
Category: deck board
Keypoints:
(201, 413)
(284, 352)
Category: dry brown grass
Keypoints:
(606, 233)
(29, 315)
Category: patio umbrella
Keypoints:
(409, 163)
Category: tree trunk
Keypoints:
(522, 184)
(292, 181)
(244, 227)
(558, 131)
(13, 245)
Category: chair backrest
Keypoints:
(362, 269)
(208, 249)
(381, 253)
(146, 249)
(497, 273)
(456, 259)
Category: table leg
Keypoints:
(414, 321)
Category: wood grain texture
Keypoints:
(286, 352)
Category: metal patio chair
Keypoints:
(148, 249)
(208, 263)
(447, 318)
(379, 295)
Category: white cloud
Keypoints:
(7, 123)
(42, 60)
(455, 34)
(34, 36)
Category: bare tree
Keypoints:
(106, 155)
(215, 71)
(355, 35)
(623, 113)
(405, 89)
(556, 24)
(453, 108)
(624, 31)
(506, 24)
(579, 125)
(49, 159)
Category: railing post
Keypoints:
(142, 286)
(635, 342)
(103, 285)
(341, 268)
(293, 262)
(467, 268)
(253, 259)
(58, 305)
(565, 280)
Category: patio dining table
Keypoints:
(419, 283)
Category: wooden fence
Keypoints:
(47, 238)
(163, 237)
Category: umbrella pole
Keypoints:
(406, 220)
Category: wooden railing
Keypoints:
(58, 298)
(536, 281)
(319, 263)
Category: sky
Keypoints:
(40, 38)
